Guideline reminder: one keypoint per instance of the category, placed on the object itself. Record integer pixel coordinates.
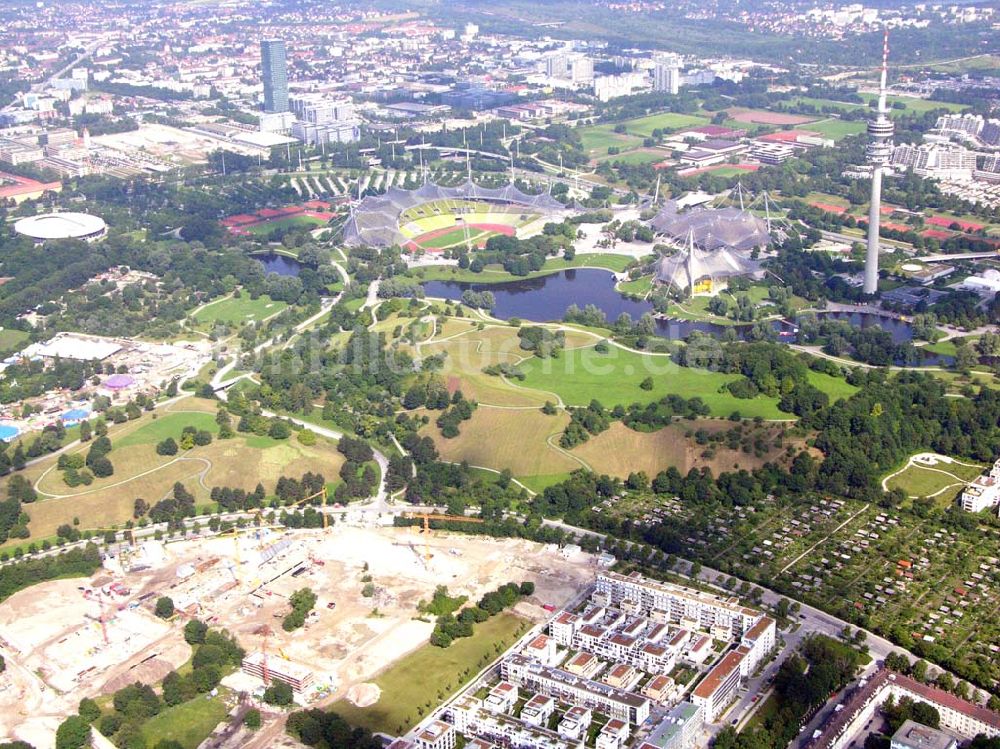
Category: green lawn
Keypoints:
(169, 425)
(286, 223)
(921, 482)
(12, 340)
(428, 675)
(581, 375)
(639, 287)
(835, 129)
(237, 310)
(835, 387)
(914, 104)
(644, 126)
(189, 723)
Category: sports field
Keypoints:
(235, 310)
(644, 156)
(669, 121)
(835, 129)
(476, 235)
(428, 674)
(597, 139)
(440, 224)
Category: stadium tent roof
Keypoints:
(686, 268)
(375, 220)
(713, 228)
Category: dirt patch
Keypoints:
(363, 695)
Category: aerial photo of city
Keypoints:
(499, 374)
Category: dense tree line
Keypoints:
(79, 562)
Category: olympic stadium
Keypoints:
(435, 218)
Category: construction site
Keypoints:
(68, 639)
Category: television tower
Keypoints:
(879, 152)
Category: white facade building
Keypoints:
(667, 74)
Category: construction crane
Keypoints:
(427, 517)
(265, 632)
(321, 493)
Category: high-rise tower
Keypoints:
(274, 67)
(879, 152)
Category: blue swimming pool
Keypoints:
(8, 432)
(75, 415)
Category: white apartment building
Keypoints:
(608, 87)
(667, 74)
(570, 67)
(724, 617)
(567, 687)
(718, 689)
(759, 641)
(437, 735)
(983, 493)
(471, 720)
(944, 161)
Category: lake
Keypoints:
(547, 298)
(280, 264)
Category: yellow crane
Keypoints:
(427, 517)
(320, 493)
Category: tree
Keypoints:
(164, 607)
(195, 631)
(252, 719)
(86, 431)
(89, 710)
(167, 447)
(73, 733)
(279, 694)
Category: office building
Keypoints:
(667, 74)
(274, 69)
(271, 668)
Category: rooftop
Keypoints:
(913, 735)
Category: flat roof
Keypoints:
(913, 735)
(69, 346)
